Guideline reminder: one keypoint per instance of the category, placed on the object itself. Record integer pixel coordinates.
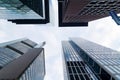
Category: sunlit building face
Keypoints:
(85, 60)
(27, 11)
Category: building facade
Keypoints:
(85, 60)
(22, 60)
(25, 11)
(80, 12)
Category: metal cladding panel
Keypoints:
(19, 47)
(29, 43)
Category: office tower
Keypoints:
(86, 60)
(25, 11)
(80, 12)
(22, 59)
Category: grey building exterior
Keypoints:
(85, 60)
(22, 60)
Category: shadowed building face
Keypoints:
(83, 11)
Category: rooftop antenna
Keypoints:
(40, 45)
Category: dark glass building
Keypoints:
(85, 60)
(22, 60)
(80, 12)
(25, 11)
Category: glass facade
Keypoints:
(15, 9)
(103, 63)
(20, 60)
(102, 60)
(70, 53)
(74, 66)
(15, 5)
(36, 70)
(12, 51)
(7, 55)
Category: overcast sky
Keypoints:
(103, 31)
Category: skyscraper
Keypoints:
(85, 60)
(22, 59)
(80, 12)
(25, 11)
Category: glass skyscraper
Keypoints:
(15, 9)
(85, 60)
(28, 11)
(22, 60)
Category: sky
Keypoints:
(103, 31)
